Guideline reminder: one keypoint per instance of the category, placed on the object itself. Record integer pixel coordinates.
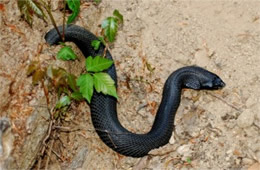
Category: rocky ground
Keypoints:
(214, 130)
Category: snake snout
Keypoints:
(218, 83)
(212, 83)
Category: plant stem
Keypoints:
(63, 27)
(48, 9)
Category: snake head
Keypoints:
(199, 79)
(213, 83)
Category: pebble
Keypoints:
(246, 118)
(79, 159)
(187, 94)
(172, 140)
(185, 151)
(251, 101)
(247, 161)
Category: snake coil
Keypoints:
(104, 107)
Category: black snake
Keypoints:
(104, 107)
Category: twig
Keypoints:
(111, 140)
(109, 135)
(106, 131)
(48, 9)
(38, 105)
(49, 155)
(46, 94)
(55, 152)
(68, 129)
(63, 27)
(162, 154)
(49, 133)
(39, 163)
(224, 101)
(105, 51)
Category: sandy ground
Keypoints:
(214, 130)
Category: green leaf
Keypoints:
(149, 67)
(72, 82)
(102, 40)
(74, 6)
(62, 43)
(37, 76)
(66, 53)
(28, 8)
(188, 160)
(117, 14)
(72, 17)
(49, 72)
(98, 64)
(25, 11)
(105, 84)
(77, 96)
(34, 65)
(85, 83)
(95, 44)
(97, 1)
(35, 7)
(64, 101)
(110, 26)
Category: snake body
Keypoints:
(104, 107)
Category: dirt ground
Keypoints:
(214, 130)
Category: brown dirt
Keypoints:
(215, 130)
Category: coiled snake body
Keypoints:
(104, 107)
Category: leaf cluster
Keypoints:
(66, 53)
(30, 7)
(74, 6)
(95, 78)
(67, 85)
(57, 79)
(110, 25)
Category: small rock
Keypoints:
(185, 151)
(250, 102)
(78, 160)
(246, 118)
(172, 140)
(247, 161)
(187, 94)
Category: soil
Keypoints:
(213, 129)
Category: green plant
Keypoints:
(188, 160)
(68, 86)
(74, 6)
(30, 7)
(97, 1)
